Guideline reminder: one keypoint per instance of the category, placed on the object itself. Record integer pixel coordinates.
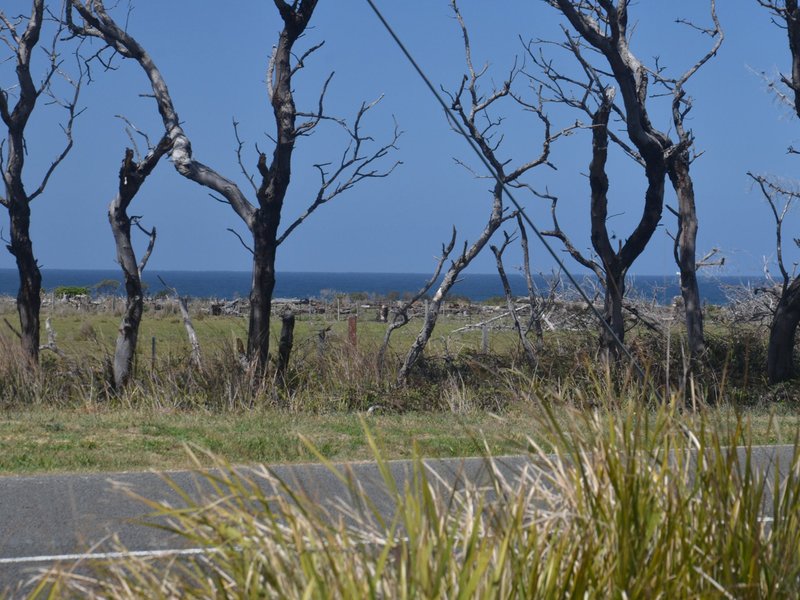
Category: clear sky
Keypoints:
(214, 60)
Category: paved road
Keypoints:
(50, 518)
(46, 519)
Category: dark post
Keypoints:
(352, 331)
(286, 342)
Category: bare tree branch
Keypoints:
(72, 113)
(98, 23)
(22, 35)
(151, 236)
(530, 352)
(400, 314)
(772, 191)
(787, 16)
(239, 146)
(241, 240)
(339, 181)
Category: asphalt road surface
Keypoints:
(49, 519)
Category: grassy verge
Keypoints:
(46, 440)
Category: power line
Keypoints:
(507, 191)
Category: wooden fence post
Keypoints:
(352, 331)
(286, 342)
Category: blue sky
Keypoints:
(214, 61)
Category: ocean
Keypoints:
(476, 287)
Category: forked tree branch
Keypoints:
(98, 23)
(772, 191)
(151, 242)
(353, 168)
(72, 113)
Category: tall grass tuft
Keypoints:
(623, 502)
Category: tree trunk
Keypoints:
(527, 347)
(780, 353)
(263, 285)
(415, 352)
(131, 178)
(128, 335)
(194, 342)
(30, 278)
(612, 311)
(535, 319)
(685, 252)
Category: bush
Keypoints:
(70, 291)
(106, 287)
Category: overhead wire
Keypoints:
(460, 128)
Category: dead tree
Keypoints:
(780, 353)
(530, 352)
(786, 315)
(786, 14)
(679, 160)
(613, 264)
(191, 334)
(537, 306)
(132, 175)
(400, 316)
(261, 218)
(21, 35)
(471, 107)
(603, 25)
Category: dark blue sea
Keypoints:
(476, 287)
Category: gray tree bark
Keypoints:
(400, 316)
(686, 252)
(604, 25)
(678, 164)
(131, 177)
(496, 219)
(535, 319)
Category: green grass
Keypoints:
(84, 333)
(45, 440)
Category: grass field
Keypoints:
(463, 401)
